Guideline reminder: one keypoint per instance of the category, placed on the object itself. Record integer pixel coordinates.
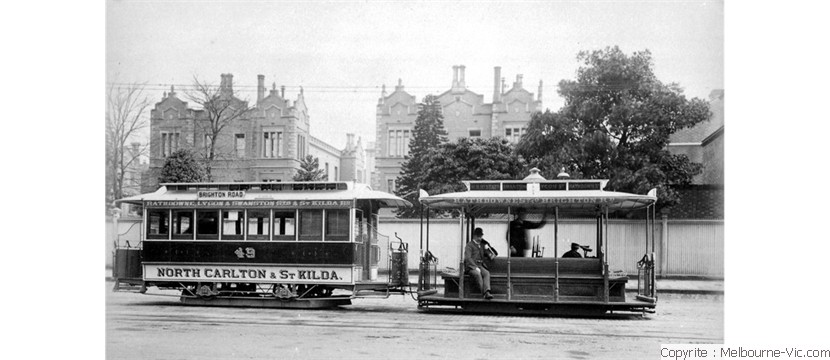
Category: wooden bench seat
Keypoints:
(579, 279)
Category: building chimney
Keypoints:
(260, 88)
(349, 141)
(282, 91)
(503, 85)
(226, 86)
(399, 87)
(518, 83)
(454, 76)
(539, 98)
(461, 82)
(496, 92)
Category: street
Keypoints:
(153, 327)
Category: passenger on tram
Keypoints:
(574, 253)
(518, 233)
(476, 254)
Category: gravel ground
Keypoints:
(152, 327)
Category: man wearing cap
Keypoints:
(475, 253)
(573, 253)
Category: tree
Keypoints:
(220, 108)
(124, 122)
(470, 159)
(615, 124)
(182, 167)
(427, 135)
(309, 170)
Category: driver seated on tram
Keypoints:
(476, 255)
(574, 253)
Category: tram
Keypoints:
(261, 244)
(540, 284)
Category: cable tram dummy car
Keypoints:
(541, 283)
(293, 244)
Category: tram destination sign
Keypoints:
(293, 204)
(248, 273)
(220, 194)
(534, 200)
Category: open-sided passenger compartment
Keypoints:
(534, 279)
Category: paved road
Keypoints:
(150, 327)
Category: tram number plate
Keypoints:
(247, 253)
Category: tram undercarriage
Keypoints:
(500, 305)
(291, 296)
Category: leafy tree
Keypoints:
(428, 134)
(220, 108)
(310, 170)
(615, 124)
(125, 121)
(182, 166)
(470, 159)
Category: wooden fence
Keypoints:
(682, 247)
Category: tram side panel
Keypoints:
(169, 263)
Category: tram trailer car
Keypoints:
(268, 244)
(541, 284)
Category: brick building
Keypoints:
(265, 144)
(702, 143)
(465, 115)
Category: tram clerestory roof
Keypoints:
(310, 191)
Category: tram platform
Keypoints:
(664, 285)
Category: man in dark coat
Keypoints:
(574, 253)
(476, 255)
(518, 234)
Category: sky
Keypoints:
(342, 52)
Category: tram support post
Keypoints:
(509, 255)
(605, 294)
(556, 254)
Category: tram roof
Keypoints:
(339, 190)
(569, 195)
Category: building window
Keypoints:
(514, 134)
(337, 225)
(336, 175)
(240, 145)
(233, 222)
(300, 147)
(258, 224)
(271, 144)
(169, 143)
(284, 225)
(475, 133)
(207, 144)
(327, 171)
(398, 143)
(390, 185)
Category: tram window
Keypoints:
(207, 224)
(258, 224)
(284, 222)
(183, 224)
(337, 225)
(311, 224)
(158, 224)
(232, 224)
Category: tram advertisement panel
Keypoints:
(293, 204)
(248, 274)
